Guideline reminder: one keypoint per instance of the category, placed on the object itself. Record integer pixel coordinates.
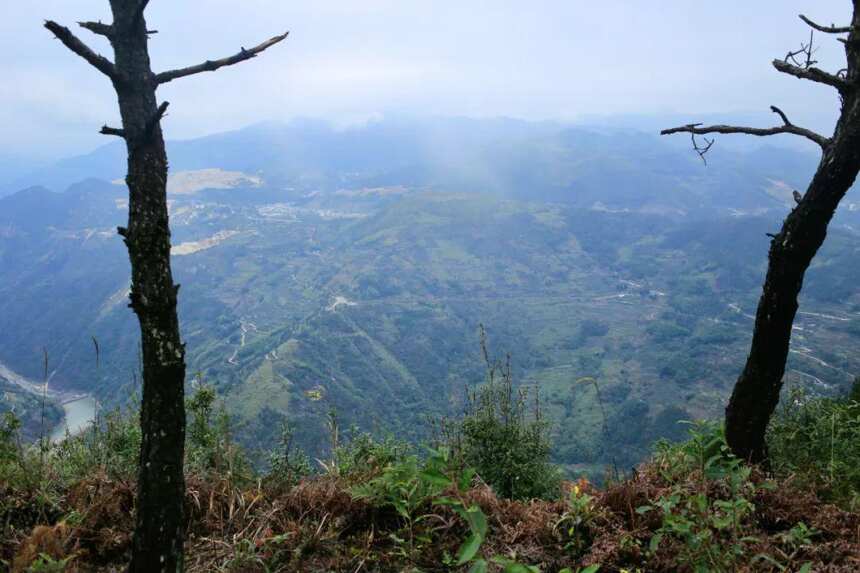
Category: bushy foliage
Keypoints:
(287, 464)
(707, 516)
(10, 445)
(412, 487)
(358, 456)
(111, 446)
(209, 442)
(818, 441)
(503, 436)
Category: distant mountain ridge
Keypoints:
(532, 161)
(350, 270)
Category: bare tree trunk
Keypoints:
(757, 390)
(160, 524)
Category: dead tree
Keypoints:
(160, 526)
(757, 390)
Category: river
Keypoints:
(79, 409)
(79, 414)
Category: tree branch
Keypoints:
(826, 29)
(153, 121)
(105, 30)
(138, 12)
(105, 130)
(71, 41)
(787, 127)
(812, 74)
(212, 65)
(781, 114)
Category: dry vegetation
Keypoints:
(374, 506)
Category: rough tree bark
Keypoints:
(757, 390)
(160, 525)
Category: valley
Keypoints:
(354, 282)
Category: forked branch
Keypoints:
(138, 11)
(72, 42)
(702, 151)
(812, 74)
(105, 30)
(787, 127)
(212, 65)
(154, 120)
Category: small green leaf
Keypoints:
(477, 520)
(435, 477)
(466, 478)
(655, 542)
(469, 549)
(807, 567)
(479, 566)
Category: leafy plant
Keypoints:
(709, 529)
(792, 543)
(408, 486)
(47, 564)
(576, 520)
(287, 464)
(817, 440)
(504, 436)
(362, 456)
(210, 445)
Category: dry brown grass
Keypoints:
(319, 526)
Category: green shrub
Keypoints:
(361, 456)
(287, 464)
(504, 436)
(412, 487)
(709, 527)
(10, 445)
(111, 445)
(210, 447)
(818, 441)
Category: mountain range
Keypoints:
(350, 270)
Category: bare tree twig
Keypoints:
(787, 127)
(150, 126)
(212, 65)
(781, 114)
(105, 30)
(72, 42)
(105, 130)
(807, 50)
(702, 151)
(826, 29)
(812, 74)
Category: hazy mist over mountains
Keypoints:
(502, 167)
(350, 268)
(385, 286)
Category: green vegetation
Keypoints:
(386, 506)
(503, 436)
(638, 301)
(818, 441)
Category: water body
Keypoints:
(80, 409)
(80, 414)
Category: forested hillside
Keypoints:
(329, 274)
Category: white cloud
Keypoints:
(356, 59)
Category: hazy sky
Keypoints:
(352, 60)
